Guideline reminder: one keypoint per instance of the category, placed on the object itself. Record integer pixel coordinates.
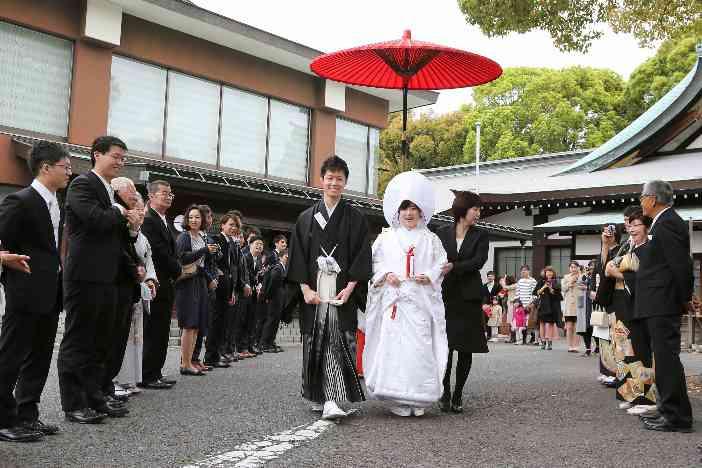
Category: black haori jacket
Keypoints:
(347, 230)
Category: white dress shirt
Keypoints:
(52, 205)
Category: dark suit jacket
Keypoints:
(230, 264)
(26, 228)
(274, 285)
(664, 282)
(164, 252)
(95, 232)
(488, 294)
(464, 280)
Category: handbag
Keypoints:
(187, 271)
(599, 318)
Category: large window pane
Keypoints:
(373, 161)
(192, 119)
(244, 129)
(137, 103)
(352, 146)
(287, 149)
(35, 80)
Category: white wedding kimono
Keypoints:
(406, 346)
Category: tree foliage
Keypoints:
(657, 75)
(575, 24)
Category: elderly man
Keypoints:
(664, 288)
(129, 277)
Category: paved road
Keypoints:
(525, 407)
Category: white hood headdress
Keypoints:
(411, 186)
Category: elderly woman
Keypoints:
(405, 313)
(130, 373)
(635, 377)
(191, 297)
(467, 248)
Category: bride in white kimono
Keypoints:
(406, 346)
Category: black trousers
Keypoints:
(123, 323)
(232, 323)
(216, 344)
(246, 324)
(157, 328)
(663, 334)
(26, 346)
(86, 344)
(271, 323)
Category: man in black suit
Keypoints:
(157, 324)
(274, 295)
(230, 285)
(96, 226)
(249, 321)
(31, 223)
(664, 287)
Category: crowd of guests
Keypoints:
(626, 305)
(118, 268)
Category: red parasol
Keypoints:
(406, 64)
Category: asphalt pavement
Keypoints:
(524, 407)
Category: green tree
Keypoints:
(538, 110)
(575, 24)
(657, 75)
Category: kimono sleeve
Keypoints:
(360, 267)
(439, 258)
(298, 270)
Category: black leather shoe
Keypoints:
(221, 364)
(122, 398)
(84, 416)
(270, 349)
(188, 371)
(156, 385)
(112, 401)
(456, 407)
(19, 434)
(662, 425)
(38, 426)
(112, 411)
(168, 381)
(278, 349)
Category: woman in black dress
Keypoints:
(548, 289)
(466, 247)
(191, 299)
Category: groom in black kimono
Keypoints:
(337, 232)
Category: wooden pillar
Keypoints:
(90, 92)
(322, 144)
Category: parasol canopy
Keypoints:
(406, 64)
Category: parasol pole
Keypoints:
(405, 145)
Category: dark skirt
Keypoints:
(192, 303)
(328, 370)
(465, 326)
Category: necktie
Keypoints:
(55, 214)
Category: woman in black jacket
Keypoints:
(467, 247)
(548, 289)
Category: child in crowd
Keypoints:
(519, 315)
(495, 318)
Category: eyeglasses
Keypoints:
(170, 195)
(66, 167)
(122, 159)
(645, 195)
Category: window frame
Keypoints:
(218, 165)
(369, 154)
(38, 134)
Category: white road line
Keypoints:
(258, 452)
